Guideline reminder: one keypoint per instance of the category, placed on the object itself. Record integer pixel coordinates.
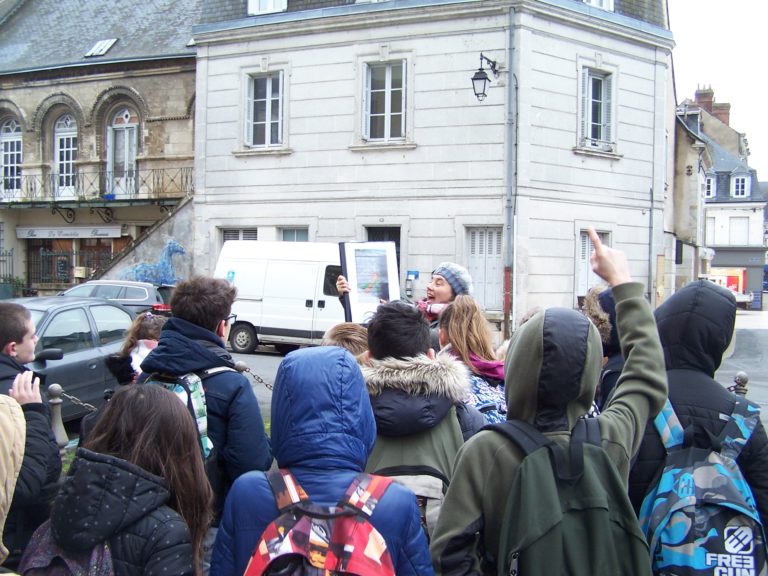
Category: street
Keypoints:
(748, 356)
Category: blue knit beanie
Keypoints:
(457, 276)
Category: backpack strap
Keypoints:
(365, 492)
(529, 439)
(587, 430)
(286, 490)
(669, 428)
(738, 430)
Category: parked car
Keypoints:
(86, 331)
(136, 296)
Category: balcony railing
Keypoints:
(87, 186)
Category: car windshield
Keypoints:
(37, 315)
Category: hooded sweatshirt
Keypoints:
(323, 431)
(108, 499)
(696, 325)
(552, 369)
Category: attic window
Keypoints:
(101, 47)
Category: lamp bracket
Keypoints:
(106, 214)
(492, 64)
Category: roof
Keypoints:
(44, 34)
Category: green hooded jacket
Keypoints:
(552, 369)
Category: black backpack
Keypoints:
(567, 509)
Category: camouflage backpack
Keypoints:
(189, 389)
(311, 540)
(700, 516)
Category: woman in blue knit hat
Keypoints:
(448, 281)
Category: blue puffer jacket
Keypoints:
(235, 425)
(323, 431)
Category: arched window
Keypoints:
(65, 154)
(10, 157)
(121, 151)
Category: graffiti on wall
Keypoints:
(160, 272)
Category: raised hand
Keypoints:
(608, 263)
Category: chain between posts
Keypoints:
(243, 367)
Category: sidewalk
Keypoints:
(751, 320)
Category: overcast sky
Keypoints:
(723, 44)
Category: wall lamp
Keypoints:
(480, 79)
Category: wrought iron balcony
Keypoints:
(98, 186)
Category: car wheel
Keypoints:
(285, 348)
(243, 339)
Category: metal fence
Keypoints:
(99, 185)
(65, 266)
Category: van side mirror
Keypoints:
(50, 354)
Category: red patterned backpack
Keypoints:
(306, 539)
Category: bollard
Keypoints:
(739, 384)
(57, 424)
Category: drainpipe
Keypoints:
(510, 195)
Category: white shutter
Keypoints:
(485, 266)
(249, 112)
(608, 108)
(366, 103)
(584, 106)
(586, 278)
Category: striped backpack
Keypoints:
(306, 539)
(700, 516)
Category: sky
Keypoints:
(718, 44)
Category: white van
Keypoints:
(286, 292)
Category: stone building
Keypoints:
(97, 105)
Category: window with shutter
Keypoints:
(586, 278)
(240, 234)
(596, 117)
(485, 266)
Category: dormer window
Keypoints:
(101, 47)
(710, 187)
(739, 187)
(258, 7)
(604, 4)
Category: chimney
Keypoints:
(722, 112)
(704, 98)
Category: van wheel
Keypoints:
(285, 348)
(243, 339)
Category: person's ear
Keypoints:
(366, 357)
(221, 329)
(431, 353)
(10, 349)
(442, 337)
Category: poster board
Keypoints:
(371, 271)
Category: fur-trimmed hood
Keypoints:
(416, 394)
(420, 376)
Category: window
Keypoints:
(10, 157)
(738, 231)
(111, 323)
(68, 330)
(65, 154)
(597, 129)
(710, 187)
(604, 4)
(256, 7)
(329, 280)
(587, 279)
(384, 98)
(265, 110)
(484, 263)
(295, 234)
(101, 47)
(121, 152)
(240, 234)
(739, 186)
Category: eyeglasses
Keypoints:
(232, 318)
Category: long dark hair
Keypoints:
(149, 427)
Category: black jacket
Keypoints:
(108, 499)
(39, 475)
(696, 325)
